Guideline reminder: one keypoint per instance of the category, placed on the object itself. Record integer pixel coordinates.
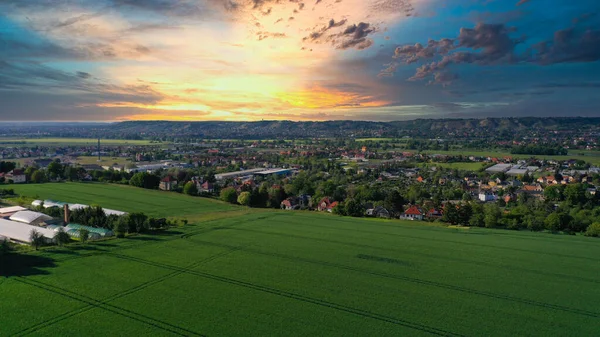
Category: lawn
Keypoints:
(125, 198)
(305, 274)
(104, 160)
(69, 141)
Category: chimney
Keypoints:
(67, 214)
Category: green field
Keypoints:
(242, 272)
(68, 141)
(126, 198)
(459, 166)
(589, 156)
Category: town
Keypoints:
(537, 187)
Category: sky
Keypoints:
(245, 60)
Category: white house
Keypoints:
(486, 196)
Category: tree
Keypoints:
(450, 214)
(137, 222)
(492, 215)
(145, 180)
(55, 170)
(61, 237)
(4, 247)
(557, 221)
(190, 188)
(244, 198)
(353, 208)
(464, 214)
(229, 195)
(121, 226)
(38, 177)
(84, 235)
(36, 238)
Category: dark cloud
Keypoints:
(568, 45)
(83, 74)
(484, 44)
(264, 35)
(354, 36)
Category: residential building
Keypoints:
(167, 183)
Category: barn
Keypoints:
(30, 218)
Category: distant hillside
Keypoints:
(487, 128)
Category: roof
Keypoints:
(333, 204)
(12, 209)
(413, 210)
(18, 172)
(168, 179)
(29, 216)
(20, 232)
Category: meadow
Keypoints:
(259, 272)
(122, 197)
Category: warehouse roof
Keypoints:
(20, 232)
(12, 209)
(28, 217)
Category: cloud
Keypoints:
(522, 2)
(568, 46)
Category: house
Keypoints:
(509, 197)
(413, 213)
(378, 212)
(167, 183)
(549, 180)
(290, 203)
(332, 206)
(434, 213)
(486, 196)
(207, 187)
(324, 204)
(17, 176)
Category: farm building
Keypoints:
(75, 234)
(30, 218)
(20, 232)
(517, 171)
(8, 211)
(52, 203)
(103, 232)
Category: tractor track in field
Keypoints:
(298, 297)
(98, 251)
(438, 284)
(434, 256)
(98, 304)
(450, 241)
(168, 327)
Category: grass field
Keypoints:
(589, 156)
(255, 272)
(69, 141)
(459, 166)
(104, 160)
(152, 202)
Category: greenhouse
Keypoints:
(30, 217)
(103, 232)
(21, 232)
(75, 233)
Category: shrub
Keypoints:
(593, 230)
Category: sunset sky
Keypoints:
(110, 60)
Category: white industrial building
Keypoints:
(20, 232)
(499, 168)
(52, 203)
(30, 217)
(8, 211)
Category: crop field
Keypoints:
(69, 141)
(126, 198)
(258, 272)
